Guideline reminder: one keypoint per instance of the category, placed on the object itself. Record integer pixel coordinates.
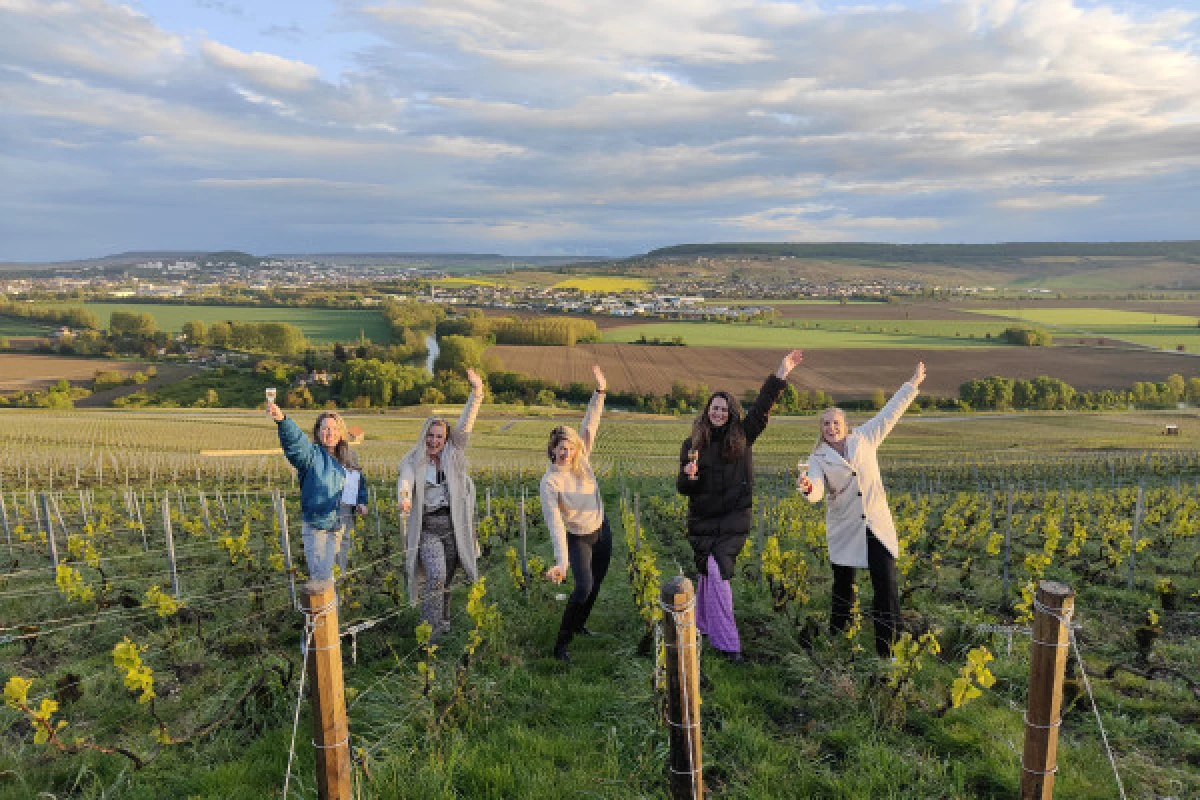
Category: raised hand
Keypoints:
(789, 363)
(475, 381)
(274, 411)
(601, 383)
(918, 374)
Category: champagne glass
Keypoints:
(271, 395)
(694, 459)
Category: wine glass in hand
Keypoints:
(692, 470)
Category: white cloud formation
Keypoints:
(562, 126)
(262, 69)
(1048, 202)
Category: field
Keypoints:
(808, 715)
(22, 328)
(19, 371)
(847, 373)
(1161, 330)
(605, 284)
(320, 325)
(793, 334)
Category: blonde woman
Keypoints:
(574, 513)
(844, 470)
(332, 488)
(437, 493)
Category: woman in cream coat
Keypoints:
(844, 470)
(436, 491)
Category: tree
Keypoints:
(219, 334)
(196, 331)
(131, 323)
(878, 399)
(458, 353)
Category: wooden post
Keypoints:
(166, 514)
(523, 530)
(285, 542)
(331, 733)
(137, 505)
(1007, 542)
(487, 496)
(204, 509)
(637, 522)
(686, 764)
(4, 517)
(1137, 524)
(49, 532)
(1054, 606)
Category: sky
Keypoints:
(569, 127)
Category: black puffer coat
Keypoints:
(721, 498)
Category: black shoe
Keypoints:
(584, 630)
(560, 652)
(732, 657)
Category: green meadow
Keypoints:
(1165, 331)
(318, 324)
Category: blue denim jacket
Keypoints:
(321, 477)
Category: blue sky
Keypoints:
(559, 127)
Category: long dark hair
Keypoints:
(735, 435)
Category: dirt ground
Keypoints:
(842, 373)
(22, 371)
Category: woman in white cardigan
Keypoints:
(844, 470)
(436, 491)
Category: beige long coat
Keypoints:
(856, 498)
(459, 487)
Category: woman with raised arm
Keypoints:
(844, 469)
(716, 474)
(436, 491)
(574, 513)
(332, 488)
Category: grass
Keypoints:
(839, 334)
(10, 326)
(1165, 331)
(318, 324)
(593, 283)
(795, 721)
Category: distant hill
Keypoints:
(1065, 266)
(939, 253)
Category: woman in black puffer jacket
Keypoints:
(716, 474)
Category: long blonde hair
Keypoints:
(565, 433)
(453, 458)
(820, 435)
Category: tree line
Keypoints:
(1045, 393)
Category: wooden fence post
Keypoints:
(637, 522)
(1137, 525)
(524, 530)
(1054, 606)
(285, 542)
(4, 517)
(331, 732)
(686, 764)
(166, 514)
(49, 531)
(1007, 542)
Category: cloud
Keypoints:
(471, 123)
(1048, 202)
(262, 69)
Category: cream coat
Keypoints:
(856, 498)
(459, 486)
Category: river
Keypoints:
(431, 343)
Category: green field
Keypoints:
(806, 715)
(1165, 331)
(318, 324)
(1087, 317)
(592, 283)
(831, 334)
(10, 326)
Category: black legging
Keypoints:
(589, 556)
(886, 602)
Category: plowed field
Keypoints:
(842, 373)
(21, 371)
